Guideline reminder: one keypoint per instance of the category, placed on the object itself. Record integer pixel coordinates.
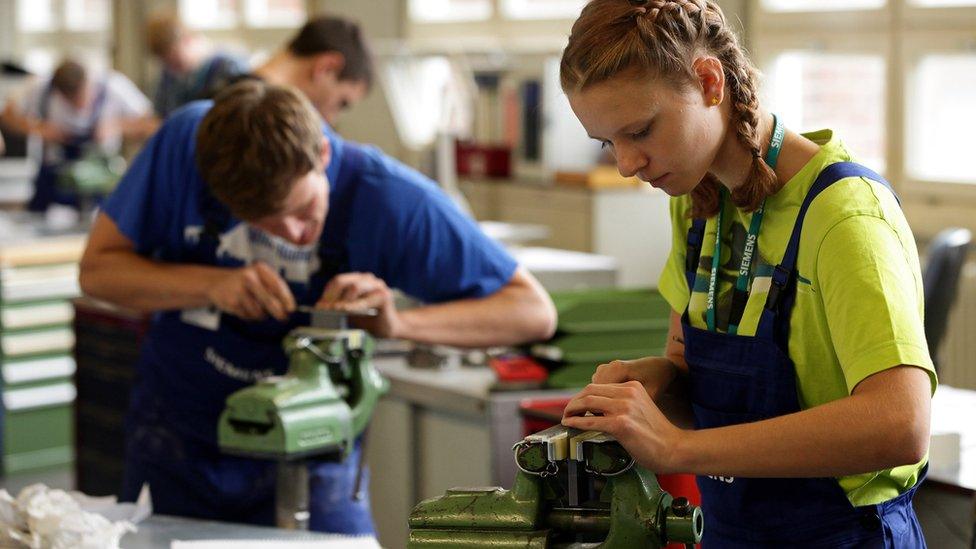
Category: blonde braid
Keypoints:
(742, 80)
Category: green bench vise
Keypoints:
(574, 489)
(316, 410)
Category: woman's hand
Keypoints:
(625, 411)
(654, 373)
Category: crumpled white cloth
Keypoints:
(45, 518)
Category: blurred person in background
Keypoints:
(192, 68)
(76, 111)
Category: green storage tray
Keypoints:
(611, 310)
(595, 348)
(38, 438)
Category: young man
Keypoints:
(74, 112)
(247, 209)
(328, 60)
(192, 68)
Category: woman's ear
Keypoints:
(711, 79)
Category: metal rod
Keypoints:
(291, 495)
(579, 520)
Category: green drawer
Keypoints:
(608, 310)
(35, 314)
(38, 427)
(595, 348)
(15, 344)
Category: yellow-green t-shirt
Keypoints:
(859, 301)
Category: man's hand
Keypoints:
(625, 411)
(357, 291)
(252, 293)
(654, 373)
(51, 133)
(106, 131)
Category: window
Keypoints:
(87, 15)
(894, 78)
(498, 27)
(542, 9)
(944, 3)
(209, 14)
(35, 15)
(940, 141)
(444, 11)
(820, 5)
(245, 27)
(274, 13)
(802, 88)
(50, 30)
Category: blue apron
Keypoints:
(186, 373)
(47, 191)
(173, 92)
(741, 379)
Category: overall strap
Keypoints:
(216, 217)
(45, 105)
(779, 300)
(696, 235)
(99, 104)
(204, 86)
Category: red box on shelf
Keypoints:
(483, 160)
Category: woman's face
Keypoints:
(664, 135)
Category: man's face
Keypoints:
(331, 96)
(82, 98)
(178, 58)
(302, 215)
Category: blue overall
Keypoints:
(47, 190)
(175, 91)
(172, 444)
(741, 379)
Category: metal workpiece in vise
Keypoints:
(574, 489)
(314, 411)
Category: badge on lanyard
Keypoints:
(741, 293)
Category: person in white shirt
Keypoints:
(74, 112)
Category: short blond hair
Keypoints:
(163, 31)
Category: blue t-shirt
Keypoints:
(395, 224)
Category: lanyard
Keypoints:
(741, 292)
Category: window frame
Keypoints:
(256, 40)
(906, 32)
(61, 39)
(819, 41)
(497, 33)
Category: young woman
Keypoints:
(795, 287)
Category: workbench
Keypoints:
(953, 411)
(159, 531)
(435, 430)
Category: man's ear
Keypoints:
(326, 152)
(328, 62)
(711, 79)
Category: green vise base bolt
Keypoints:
(574, 489)
(318, 408)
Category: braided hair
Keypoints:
(662, 38)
